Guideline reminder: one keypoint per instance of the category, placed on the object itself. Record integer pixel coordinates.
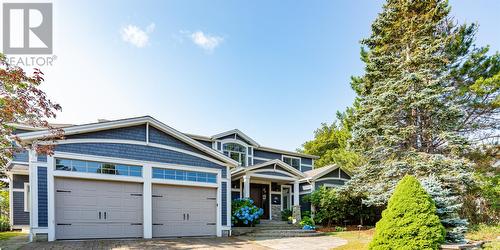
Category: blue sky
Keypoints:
(273, 69)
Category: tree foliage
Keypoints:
(22, 101)
(426, 95)
(447, 206)
(331, 144)
(335, 206)
(410, 220)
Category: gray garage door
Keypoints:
(97, 209)
(184, 211)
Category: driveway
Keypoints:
(310, 243)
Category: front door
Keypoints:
(259, 193)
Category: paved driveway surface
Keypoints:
(243, 243)
(177, 243)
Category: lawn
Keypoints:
(355, 239)
(9, 234)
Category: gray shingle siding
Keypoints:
(159, 137)
(136, 133)
(265, 154)
(304, 205)
(42, 197)
(224, 203)
(344, 175)
(231, 136)
(305, 168)
(205, 143)
(20, 218)
(273, 173)
(42, 158)
(138, 152)
(19, 180)
(256, 161)
(21, 156)
(307, 161)
(334, 182)
(333, 174)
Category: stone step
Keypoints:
(284, 234)
(283, 231)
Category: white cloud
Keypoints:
(206, 41)
(136, 36)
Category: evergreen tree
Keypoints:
(330, 143)
(408, 118)
(409, 221)
(447, 207)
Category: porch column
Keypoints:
(296, 204)
(296, 193)
(246, 186)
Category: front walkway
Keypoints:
(308, 243)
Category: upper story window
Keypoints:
(98, 167)
(292, 161)
(236, 152)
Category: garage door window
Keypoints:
(98, 167)
(182, 175)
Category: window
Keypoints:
(182, 175)
(236, 152)
(26, 197)
(292, 161)
(98, 167)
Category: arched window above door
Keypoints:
(236, 152)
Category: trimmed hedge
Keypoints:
(409, 221)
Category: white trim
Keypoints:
(147, 202)
(183, 183)
(238, 132)
(331, 178)
(261, 158)
(264, 164)
(290, 197)
(11, 204)
(130, 122)
(33, 181)
(132, 142)
(26, 197)
(285, 152)
(51, 200)
(273, 170)
(219, 206)
(273, 177)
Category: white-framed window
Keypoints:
(236, 152)
(27, 204)
(292, 161)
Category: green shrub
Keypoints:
(306, 221)
(4, 224)
(410, 220)
(340, 229)
(285, 214)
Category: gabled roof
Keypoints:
(267, 163)
(239, 133)
(319, 172)
(91, 127)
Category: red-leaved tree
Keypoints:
(22, 102)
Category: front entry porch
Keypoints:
(273, 186)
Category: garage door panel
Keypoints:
(184, 211)
(80, 201)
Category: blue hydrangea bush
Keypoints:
(245, 213)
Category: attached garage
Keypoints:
(97, 209)
(184, 211)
